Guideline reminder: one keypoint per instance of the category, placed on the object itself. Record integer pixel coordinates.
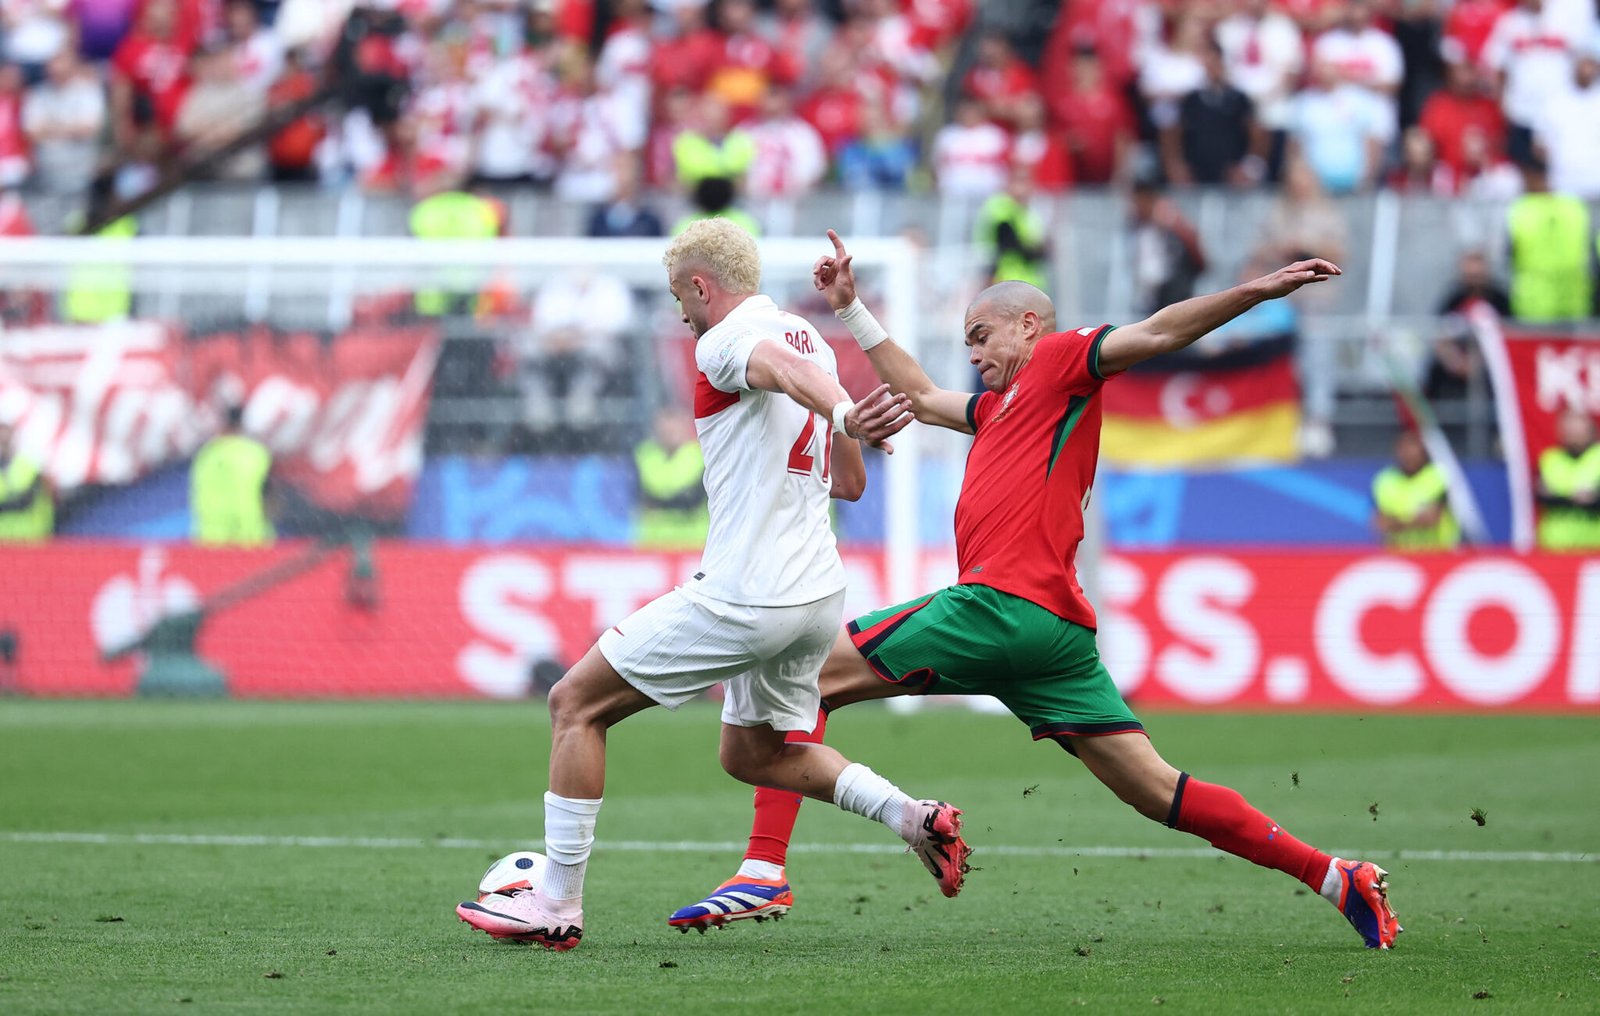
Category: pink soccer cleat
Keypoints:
(1364, 901)
(523, 917)
(933, 830)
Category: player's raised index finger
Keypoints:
(838, 244)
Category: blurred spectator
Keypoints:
(1215, 139)
(1412, 501)
(970, 154)
(1340, 129)
(1265, 54)
(1099, 126)
(1040, 148)
(575, 361)
(257, 55)
(1485, 175)
(881, 156)
(102, 24)
(15, 161)
(626, 214)
(687, 55)
(1531, 50)
(712, 198)
(33, 32)
(1362, 54)
(437, 126)
(710, 146)
(1012, 236)
(292, 152)
(1456, 359)
(1173, 68)
(1462, 105)
(747, 64)
(511, 107)
(789, 158)
(447, 216)
(216, 110)
(1552, 246)
(888, 38)
(149, 75)
(672, 513)
(834, 108)
(622, 68)
(27, 508)
(312, 23)
(1418, 30)
(64, 116)
(1420, 171)
(1568, 489)
(795, 26)
(101, 291)
(1569, 130)
(1167, 255)
(1000, 81)
(1466, 29)
(591, 131)
(228, 488)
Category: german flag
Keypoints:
(1237, 406)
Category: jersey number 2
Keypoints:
(800, 458)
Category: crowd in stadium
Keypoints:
(582, 95)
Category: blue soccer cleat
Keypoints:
(739, 898)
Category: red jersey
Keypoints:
(1019, 519)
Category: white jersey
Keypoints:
(767, 468)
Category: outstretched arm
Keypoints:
(931, 404)
(1172, 328)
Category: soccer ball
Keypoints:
(513, 873)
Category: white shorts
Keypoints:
(678, 645)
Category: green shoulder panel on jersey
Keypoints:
(1069, 421)
(1094, 351)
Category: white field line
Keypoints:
(734, 848)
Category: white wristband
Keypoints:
(838, 417)
(862, 324)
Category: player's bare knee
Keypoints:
(567, 703)
(741, 763)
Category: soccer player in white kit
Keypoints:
(763, 612)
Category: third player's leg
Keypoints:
(762, 756)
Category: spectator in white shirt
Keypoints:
(970, 154)
(1363, 54)
(1265, 54)
(1340, 129)
(33, 32)
(63, 117)
(257, 56)
(790, 159)
(1569, 132)
(1531, 48)
(1173, 69)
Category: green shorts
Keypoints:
(974, 640)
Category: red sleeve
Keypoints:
(1071, 360)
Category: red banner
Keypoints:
(1248, 630)
(106, 404)
(1549, 374)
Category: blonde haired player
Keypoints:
(779, 436)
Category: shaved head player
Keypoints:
(1016, 624)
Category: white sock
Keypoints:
(764, 870)
(863, 792)
(1332, 883)
(568, 838)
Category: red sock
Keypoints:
(776, 810)
(1227, 821)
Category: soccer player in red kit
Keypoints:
(1016, 625)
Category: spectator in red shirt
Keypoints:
(999, 79)
(1467, 28)
(687, 57)
(15, 161)
(748, 64)
(1463, 104)
(149, 73)
(1040, 149)
(834, 109)
(935, 24)
(292, 151)
(1099, 126)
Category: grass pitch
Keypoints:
(243, 857)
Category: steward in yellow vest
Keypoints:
(1012, 235)
(27, 510)
(1568, 489)
(1552, 246)
(98, 291)
(228, 489)
(672, 497)
(1412, 499)
(454, 215)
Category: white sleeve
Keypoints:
(724, 358)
